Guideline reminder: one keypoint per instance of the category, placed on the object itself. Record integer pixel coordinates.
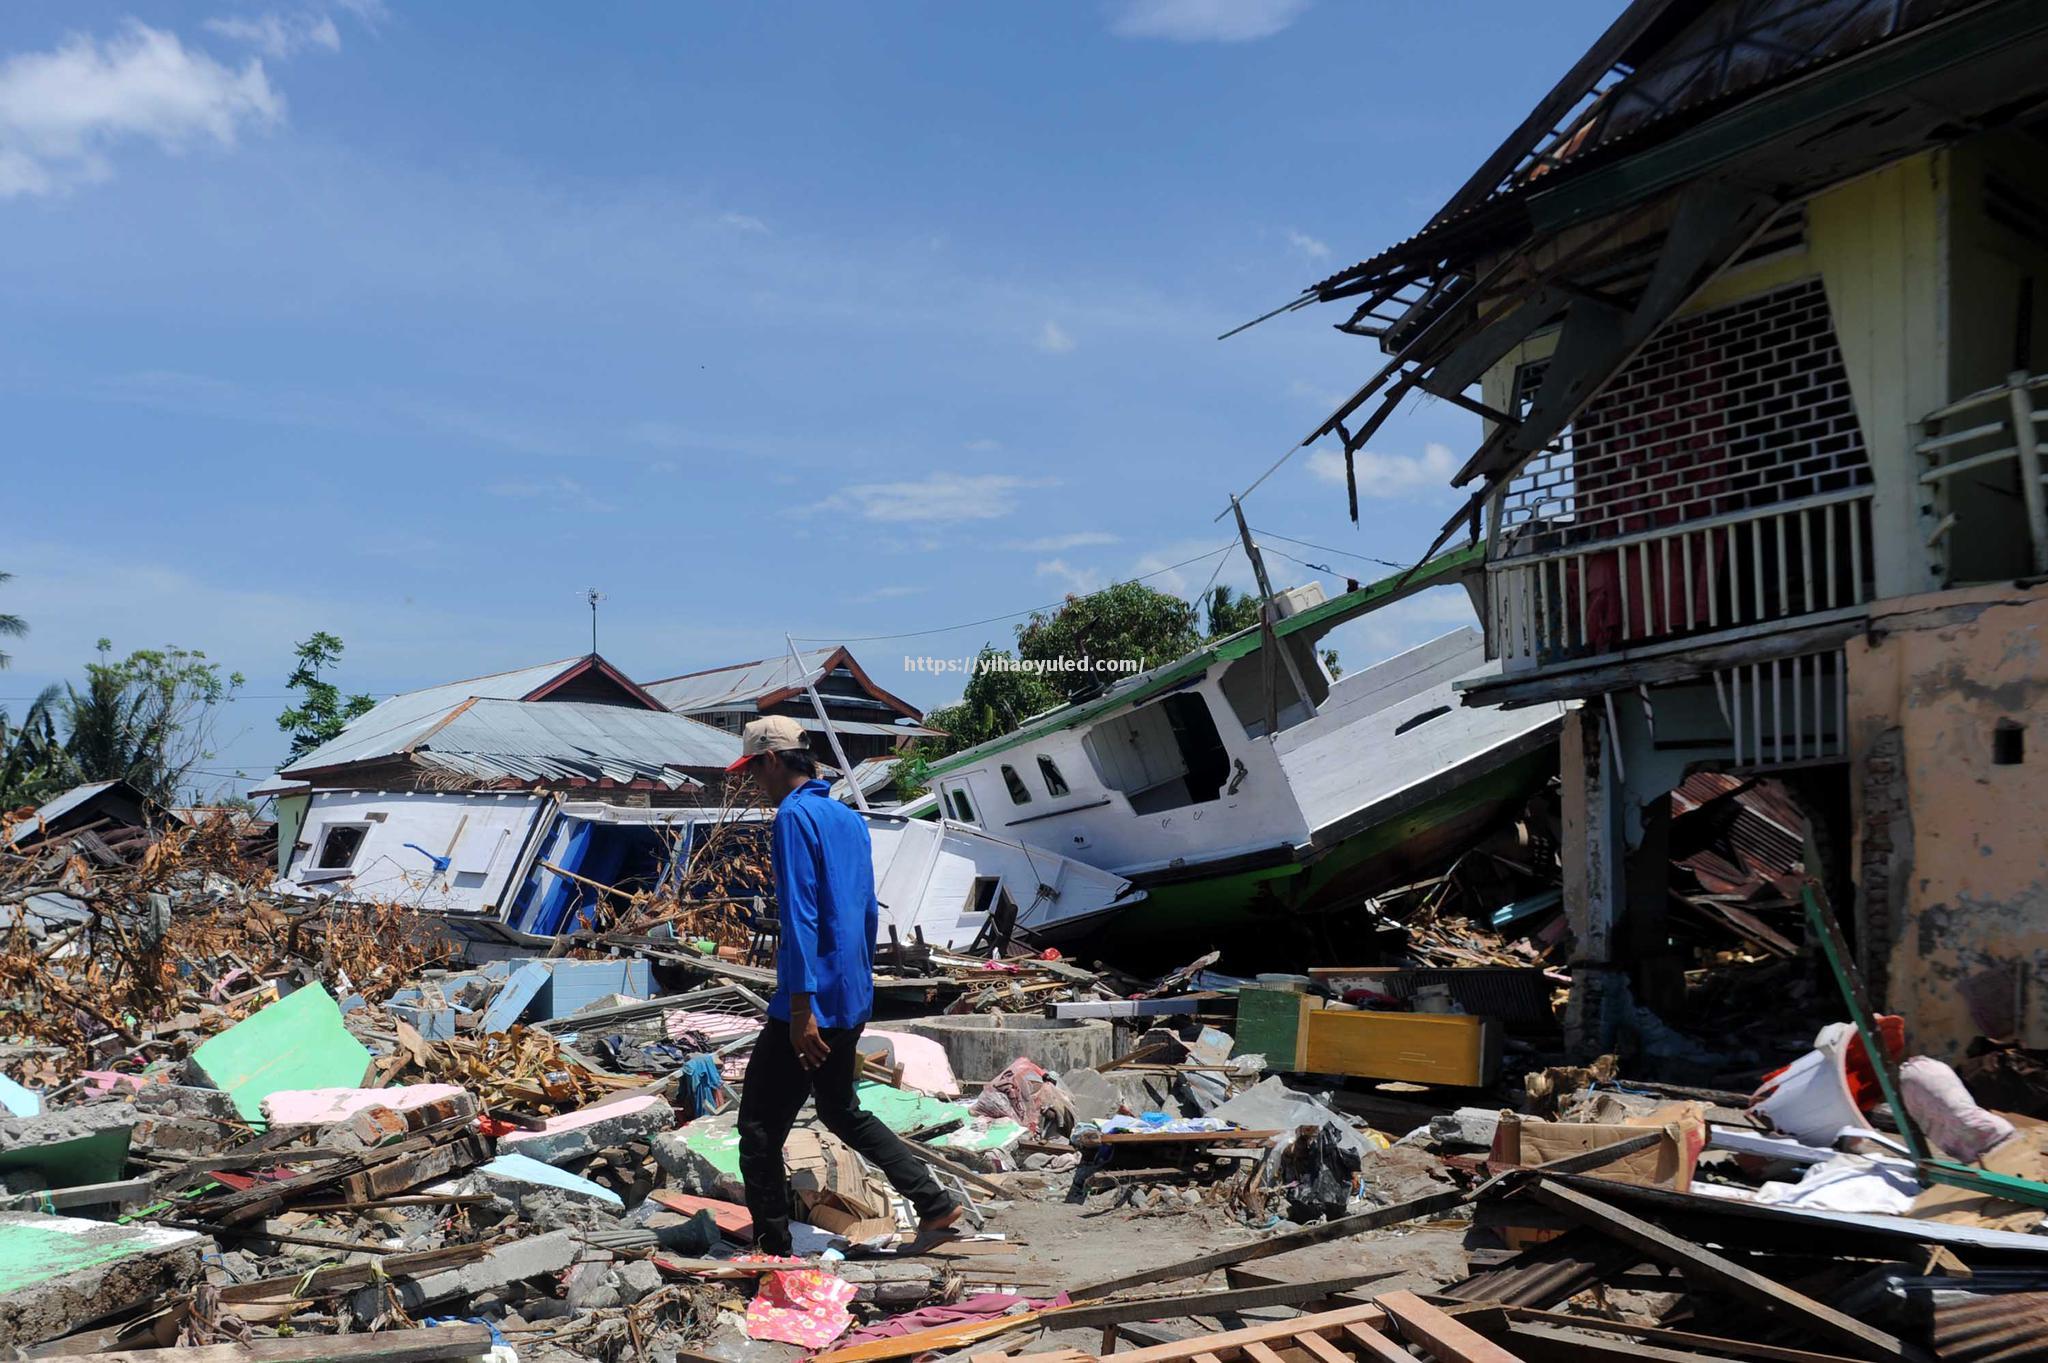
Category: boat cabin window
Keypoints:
(1163, 756)
(1049, 772)
(962, 810)
(339, 844)
(1019, 793)
(1244, 686)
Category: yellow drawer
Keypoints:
(1422, 1048)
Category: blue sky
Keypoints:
(410, 322)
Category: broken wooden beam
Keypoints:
(1696, 1261)
(426, 1344)
(1439, 1335)
(1097, 1314)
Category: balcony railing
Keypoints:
(1983, 434)
(1732, 573)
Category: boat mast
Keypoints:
(1269, 643)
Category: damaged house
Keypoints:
(869, 721)
(530, 797)
(1751, 306)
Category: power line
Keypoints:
(1327, 549)
(1010, 615)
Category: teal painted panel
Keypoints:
(296, 1043)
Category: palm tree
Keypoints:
(12, 626)
(32, 760)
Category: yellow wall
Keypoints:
(1951, 849)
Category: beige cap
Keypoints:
(770, 733)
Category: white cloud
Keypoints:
(279, 35)
(1053, 339)
(1390, 475)
(940, 497)
(887, 594)
(1307, 245)
(1077, 580)
(562, 491)
(62, 111)
(1055, 544)
(742, 222)
(1203, 21)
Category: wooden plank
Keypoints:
(1184, 1350)
(1339, 1229)
(1677, 1339)
(1308, 1341)
(424, 1345)
(1697, 1262)
(1091, 1314)
(1372, 1345)
(1440, 1336)
(1551, 1344)
(1259, 1352)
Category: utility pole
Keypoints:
(1269, 643)
(594, 596)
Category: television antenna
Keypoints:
(593, 595)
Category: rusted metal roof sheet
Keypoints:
(739, 684)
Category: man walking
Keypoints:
(824, 990)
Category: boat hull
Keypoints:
(1234, 907)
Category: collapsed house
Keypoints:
(546, 798)
(870, 722)
(1750, 301)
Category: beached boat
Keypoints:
(1175, 779)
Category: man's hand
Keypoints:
(811, 1048)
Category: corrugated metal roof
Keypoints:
(395, 723)
(873, 774)
(56, 807)
(574, 741)
(724, 687)
(868, 728)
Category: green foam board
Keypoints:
(296, 1043)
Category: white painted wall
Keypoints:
(480, 833)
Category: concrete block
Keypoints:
(1094, 1097)
(326, 1106)
(296, 1043)
(433, 1024)
(704, 1157)
(1468, 1126)
(590, 1129)
(67, 1146)
(512, 1262)
(58, 1273)
(515, 1177)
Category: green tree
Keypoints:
(33, 766)
(1128, 622)
(997, 700)
(1227, 612)
(11, 626)
(146, 719)
(322, 712)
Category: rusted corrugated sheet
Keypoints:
(2002, 1328)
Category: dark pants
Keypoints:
(775, 1088)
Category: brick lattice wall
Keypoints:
(1741, 407)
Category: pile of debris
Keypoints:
(236, 1118)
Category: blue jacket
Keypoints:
(825, 901)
